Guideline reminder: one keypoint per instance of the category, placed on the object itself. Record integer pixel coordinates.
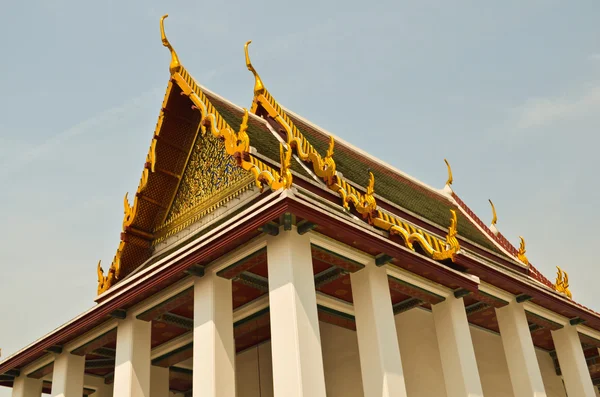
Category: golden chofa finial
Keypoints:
(448, 188)
(493, 227)
(175, 65)
(521, 254)
(259, 87)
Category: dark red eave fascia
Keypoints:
(545, 299)
(100, 313)
(404, 255)
(334, 198)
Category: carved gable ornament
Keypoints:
(211, 178)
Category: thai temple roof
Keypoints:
(433, 221)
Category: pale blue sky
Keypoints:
(508, 91)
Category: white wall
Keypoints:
(420, 360)
(420, 354)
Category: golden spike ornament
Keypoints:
(175, 65)
(259, 87)
(450, 178)
(493, 227)
(494, 216)
(521, 253)
(562, 282)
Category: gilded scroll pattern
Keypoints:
(209, 172)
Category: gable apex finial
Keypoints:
(259, 87)
(175, 65)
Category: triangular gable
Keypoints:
(192, 146)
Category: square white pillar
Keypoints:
(159, 381)
(459, 366)
(214, 346)
(523, 367)
(380, 363)
(295, 336)
(572, 362)
(67, 375)
(27, 387)
(132, 363)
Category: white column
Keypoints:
(67, 375)
(27, 387)
(572, 362)
(132, 363)
(523, 367)
(214, 347)
(380, 362)
(159, 381)
(295, 337)
(459, 366)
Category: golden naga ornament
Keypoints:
(562, 283)
(450, 178)
(175, 65)
(114, 271)
(323, 167)
(521, 253)
(365, 204)
(493, 227)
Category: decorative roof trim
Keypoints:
(237, 144)
(365, 204)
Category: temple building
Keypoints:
(263, 256)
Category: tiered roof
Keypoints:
(279, 149)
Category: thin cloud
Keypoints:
(539, 112)
(35, 152)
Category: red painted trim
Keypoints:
(545, 299)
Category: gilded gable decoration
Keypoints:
(521, 253)
(562, 282)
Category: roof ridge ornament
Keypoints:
(259, 87)
(493, 227)
(521, 253)
(175, 65)
(562, 283)
(448, 187)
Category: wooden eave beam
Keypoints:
(329, 275)
(100, 363)
(105, 352)
(544, 299)
(99, 342)
(413, 291)
(491, 300)
(177, 320)
(167, 305)
(41, 372)
(542, 322)
(173, 357)
(337, 260)
(241, 266)
(252, 280)
(406, 305)
(476, 308)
